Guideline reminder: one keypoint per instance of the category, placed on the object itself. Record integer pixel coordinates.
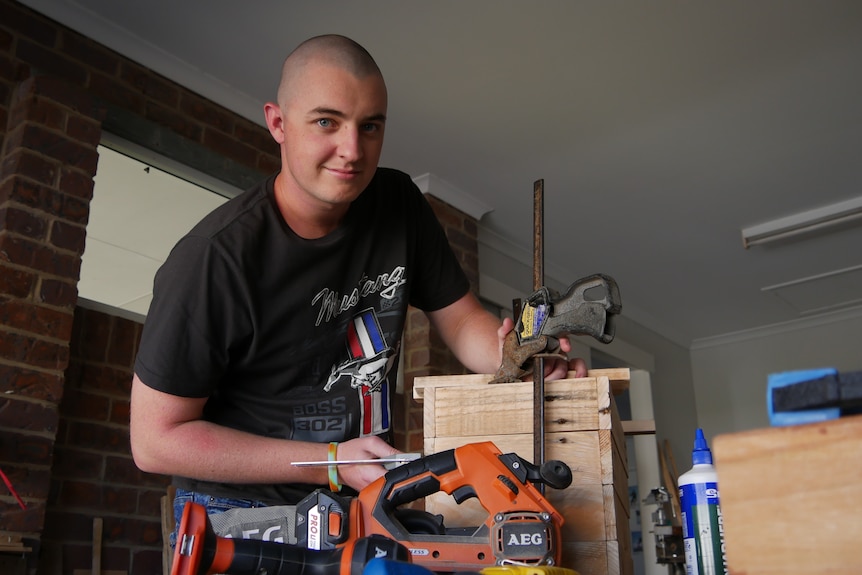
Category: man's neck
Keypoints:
(307, 220)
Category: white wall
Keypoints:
(730, 373)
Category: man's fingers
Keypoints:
(579, 366)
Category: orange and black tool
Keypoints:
(338, 535)
(200, 552)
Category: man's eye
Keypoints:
(324, 123)
(370, 128)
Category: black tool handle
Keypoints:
(253, 557)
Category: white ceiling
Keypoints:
(661, 129)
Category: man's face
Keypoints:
(333, 125)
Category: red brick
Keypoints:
(257, 137)
(121, 470)
(78, 184)
(63, 265)
(459, 241)
(96, 335)
(29, 164)
(120, 411)
(84, 130)
(208, 113)
(132, 531)
(25, 448)
(117, 558)
(77, 555)
(14, 519)
(149, 84)
(82, 405)
(50, 62)
(41, 197)
(146, 562)
(229, 147)
(35, 319)
(15, 282)
(29, 482)
(150, 501)
(39, 111)
(26, 22)
(114, 92)
(30, 383)
(23, 222)
(63, 525)
(18, 251)
(80, 494)
(58, 293)
(57, 146)
(67, 236)
(28, 193)
(88, 52)
(33, 351)
(71, 463)
(99, 437)
(28, 416)
(75, 210)
(186, 126)
(125, 335)
(119, 499)
(69, 96)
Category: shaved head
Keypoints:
(328, 50)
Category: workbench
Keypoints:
(582, 429)
(791, 498)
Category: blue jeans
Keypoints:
(212, 505)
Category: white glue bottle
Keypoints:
(702, 524)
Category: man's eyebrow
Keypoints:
(326, 112)
(339, 114)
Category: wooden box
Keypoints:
(791, 498)
(582, 428)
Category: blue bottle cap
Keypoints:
(701, 453)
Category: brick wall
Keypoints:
(93, 474)
(65, 372)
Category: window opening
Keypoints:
(142, 205)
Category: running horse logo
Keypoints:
(369, 362)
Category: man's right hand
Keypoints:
(359, 476)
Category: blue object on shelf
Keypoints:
(799, 416)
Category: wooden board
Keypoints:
(790, 498)
(619, 378)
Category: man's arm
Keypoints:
(476, 337)
(471, 332)
(169, 437)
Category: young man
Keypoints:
(275, 323)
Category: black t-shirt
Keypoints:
(295, 338)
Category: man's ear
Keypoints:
(274, 121)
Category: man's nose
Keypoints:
(349, 144)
